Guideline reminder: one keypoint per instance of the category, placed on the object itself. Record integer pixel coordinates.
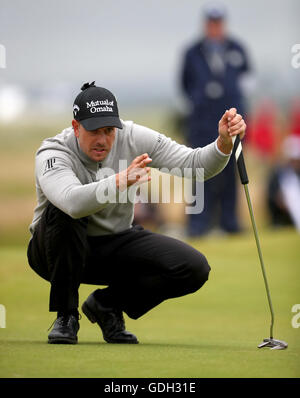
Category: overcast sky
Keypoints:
(134, 47)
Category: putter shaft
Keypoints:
(260, 257)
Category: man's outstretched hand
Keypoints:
(137, 173)
(231, 124)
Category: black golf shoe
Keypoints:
(64, 330)
(110, 320)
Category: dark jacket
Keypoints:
(211, 92)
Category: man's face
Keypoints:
(215, 29)
(96, 144)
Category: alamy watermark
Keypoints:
(184, 189)
(2, 56)
(296, 318)
(295, 62)
(2, 316)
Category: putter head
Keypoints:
(273, 344)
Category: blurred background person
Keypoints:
(214, 76)
(265, 133)
(284, 186)
(294, 116)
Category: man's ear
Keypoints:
(75, 125)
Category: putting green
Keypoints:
(212, 333)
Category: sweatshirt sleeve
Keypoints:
(168, 155)
(60, 185)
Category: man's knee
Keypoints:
(61, 221)
(57, 234)
(199, 272)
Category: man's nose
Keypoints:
(101, 139)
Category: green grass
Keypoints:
(212, 333)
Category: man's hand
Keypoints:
(136, 173)
(231, 124)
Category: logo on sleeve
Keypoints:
(49, 165)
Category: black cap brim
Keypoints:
(95, 123)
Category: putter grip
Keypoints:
(240, 161)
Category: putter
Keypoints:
(271, 342)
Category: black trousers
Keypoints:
(140, 268)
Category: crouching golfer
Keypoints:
(82, 226)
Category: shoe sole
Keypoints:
(87, 312)
(62, 340)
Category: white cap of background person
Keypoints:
(214, 11)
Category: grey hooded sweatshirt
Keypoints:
(81, 187)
